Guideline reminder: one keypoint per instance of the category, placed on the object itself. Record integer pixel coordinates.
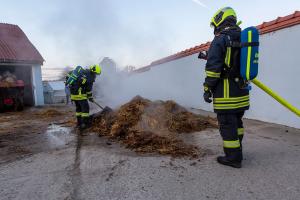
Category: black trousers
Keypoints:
(82, 111)
(232, 131)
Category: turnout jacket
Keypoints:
(230, 94)
(82, 89)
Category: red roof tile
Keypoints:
(182, 54)
(265, 27)
(280, 23)
(15, 47)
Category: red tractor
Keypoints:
(12, 95)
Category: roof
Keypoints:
(15, 47)
(280, 23)
(56, 85)
(265, 27)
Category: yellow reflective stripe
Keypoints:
(227, 81)
(84, 114)
(206, 88)
(226, 88)
(78, 97)
(240, 131)
(78, 114)
(212, 74)
(231, 99)
(249, 55)
(73, 76)
(84, 81)
(231, 106)
(232, 144)
(228, 56)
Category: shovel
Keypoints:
(98, 104)
(105, 110)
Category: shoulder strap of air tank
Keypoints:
(248, 44)
(235, 44)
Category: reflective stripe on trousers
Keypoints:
(240, 131)
(232, 144)
(78, 114)
(85, 114)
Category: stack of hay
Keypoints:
(7, 78)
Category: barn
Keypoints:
(19, 57)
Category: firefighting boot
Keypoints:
(79, 120)
(226, 161)
(83, 126)
(241, 139)
(84, 123)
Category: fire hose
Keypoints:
(278, 98)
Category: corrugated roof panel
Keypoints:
(57, 85)
(16, 47)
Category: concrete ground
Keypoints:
(59, 164)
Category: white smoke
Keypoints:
(200, 3)
(166, 82)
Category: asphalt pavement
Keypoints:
(64, 165)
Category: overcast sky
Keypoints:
(132, 32)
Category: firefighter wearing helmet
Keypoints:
(224, 86)
(80, 81)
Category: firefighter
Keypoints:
(224, 84)
(81, 92)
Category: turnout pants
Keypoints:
(82, 111)
(232, 132)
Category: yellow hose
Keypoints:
(276, 97)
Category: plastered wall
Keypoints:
(182, 79)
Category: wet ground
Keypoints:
(49, 160)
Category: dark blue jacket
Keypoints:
(82, 88)
(223, 73)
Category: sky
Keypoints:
(131, 32)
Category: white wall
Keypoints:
(37, 85)
(182, 79)
(280, 70)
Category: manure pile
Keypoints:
(49, 113)
(151, 127)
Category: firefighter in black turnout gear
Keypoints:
(224, 84)
(80, 81)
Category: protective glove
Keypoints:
(207, 94)
(203, 55)
(91, 99)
